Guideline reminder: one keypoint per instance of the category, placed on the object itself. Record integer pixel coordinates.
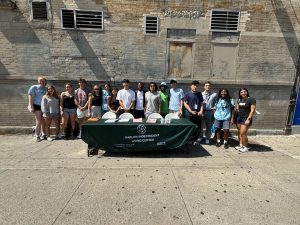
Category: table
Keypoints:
(132, 137)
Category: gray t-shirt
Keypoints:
(209, 99)
(50, 105)
(152, 102)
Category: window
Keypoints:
(82, 19)
(151, 25)
(224, 20)
(39, 10)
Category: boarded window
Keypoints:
(224, 21)
(151, 25)
(39, 10)
(82, 19)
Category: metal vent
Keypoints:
(39, 11)
(224, 21)
(89, 20)
(151, 25)
(67, 18)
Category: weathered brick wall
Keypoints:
(266, 57)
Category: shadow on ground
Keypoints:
(254, 146)
(186, 151)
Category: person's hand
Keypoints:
(247, 122)
(30, 109)
(193, 112)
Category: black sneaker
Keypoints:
(218, 144)
(226, 145)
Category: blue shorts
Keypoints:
(51, 115)
(242, 120)
(222, 124)
(70, 111)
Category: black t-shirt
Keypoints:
(245, 106)
(68, 102)
(96, 100)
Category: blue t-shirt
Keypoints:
(194, 100)
(105, 95)
(175, 97)
(37, 92)
(223, 109)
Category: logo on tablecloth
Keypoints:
(141, 129)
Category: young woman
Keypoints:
(95, 102)
(106, 94)
(223, 116)
(50, 110)
(152, 100)
(35, 94)
(113, 104)
(245, 111)
(68, 109)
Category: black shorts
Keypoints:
(37, 107)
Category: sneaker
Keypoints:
(79, 136)
(244, 149)
(33, 131)
(226, 145)
(199, 140)
(37, 139)
(238, 147)
(218, 144)
(44, 137)
(196, 143)
(207, 141)
(50, 139)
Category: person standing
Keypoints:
(95, 102)
(176, 99)
(81, 101)
(209, 99)
(152, 100)
(164, 97)
(67, 110)
(193, 103)
(35, 94)
(140, 101)
(50, 110)
(245, 110)
(106, 94)
(223, 116)
(113, 104)
(126, 98)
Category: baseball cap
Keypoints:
(163, 84)
(173, 81)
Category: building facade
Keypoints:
(233, 44)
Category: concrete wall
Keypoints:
(266, 57)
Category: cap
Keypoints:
(125, 81)
(163, 84)
(173, 81)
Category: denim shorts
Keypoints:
(70, 111)
(222, 124)
(242, 120)
(51, 115)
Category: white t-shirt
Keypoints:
(127, 96)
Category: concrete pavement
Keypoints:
(56, 183)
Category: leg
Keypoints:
(56, 122)
(38, 122)
(64, 121)
(47, 127)
(243, 135)
(208, 124)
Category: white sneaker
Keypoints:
(50, 139)
(37, 139)
(207, 141)
(244, 149)
(199, 140)
(238, 147)
(196, 143)
(79, 136)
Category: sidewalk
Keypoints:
(56, 183)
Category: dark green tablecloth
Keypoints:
(129, 136)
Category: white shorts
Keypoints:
(82, 114)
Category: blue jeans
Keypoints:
(207, 119)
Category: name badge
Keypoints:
(195, 106)
(242, 103)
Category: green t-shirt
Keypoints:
(164, 102)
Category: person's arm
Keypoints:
(44, 105)
(30, 103)
(252, 108)
(159, 104)
(187, 107)
(90, 105)
(201, 110)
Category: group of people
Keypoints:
(201, 108)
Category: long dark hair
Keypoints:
(54, 91)
(245, 89)
(227, 98)
(100, 90)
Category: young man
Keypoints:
(126, 98)
(164, 96)
(193, 102)
(81, 101)
(209, 99)
(140, 101)
(176, 99)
